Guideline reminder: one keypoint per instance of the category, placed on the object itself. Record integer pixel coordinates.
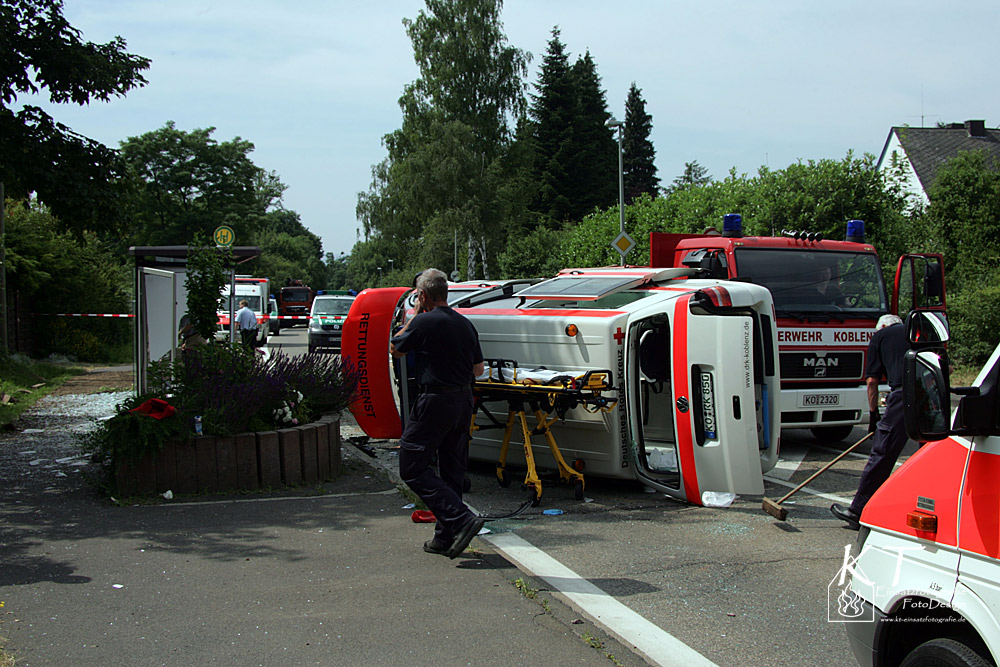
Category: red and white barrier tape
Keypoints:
(87, 314)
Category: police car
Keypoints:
(326, 320)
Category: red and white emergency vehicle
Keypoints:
(828, 295)
(925, 576)
(694, 366)
(256, 292)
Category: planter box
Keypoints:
(244, 462)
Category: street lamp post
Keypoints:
(379, 275)
(611, 122)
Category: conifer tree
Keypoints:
(637, 149)
(594, 165)
(552, 109)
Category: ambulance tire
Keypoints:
(944, 652)
(832, 433)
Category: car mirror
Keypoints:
(927, 328)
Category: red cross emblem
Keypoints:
(619, 335)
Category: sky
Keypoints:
(731, 84)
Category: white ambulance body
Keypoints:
(927, 569)
(703, 419)
(256, 293)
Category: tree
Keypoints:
(189, 183)
(445, 171)
(638, 153)
(552, 110)
(694, 176)
(593, 166)
(77, 178)
(60, 272)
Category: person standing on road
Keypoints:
(448, 358)
(886, 350)
(246, 321)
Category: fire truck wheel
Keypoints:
(944, 653)
(832, 433)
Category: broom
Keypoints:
(780, 513)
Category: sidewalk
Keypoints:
(337, 579)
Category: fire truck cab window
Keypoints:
(811, 281)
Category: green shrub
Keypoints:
(974, 320)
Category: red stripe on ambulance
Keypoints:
(682, 389)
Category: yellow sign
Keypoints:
(623, 243)
(224, 236)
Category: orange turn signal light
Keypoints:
(571, 330)
(922, 521)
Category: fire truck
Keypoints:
(828, 295)
(691, 366)
(924, 575)
(294, 302)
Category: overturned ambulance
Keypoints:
(690, 398)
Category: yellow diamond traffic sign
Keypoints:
(623, 243)
(224, 236)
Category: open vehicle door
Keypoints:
(365, 346)
(693, 403)
(919, 284)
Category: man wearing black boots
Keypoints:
(886, 350)
(448, 359)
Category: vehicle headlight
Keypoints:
(314, 324)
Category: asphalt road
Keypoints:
(733, 584)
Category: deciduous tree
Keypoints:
(41, 53)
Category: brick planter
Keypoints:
(245, 462)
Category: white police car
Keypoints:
(326, 321)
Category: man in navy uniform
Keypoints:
(886, 350)
(448, 359)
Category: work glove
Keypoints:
(873, 419)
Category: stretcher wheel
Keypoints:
(578, 489)
(536, 499)
(503, 478)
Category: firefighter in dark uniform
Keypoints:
(886, 350)
(448, 358)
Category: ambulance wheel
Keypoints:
(944, 652)
(503, 478)
(578, 490)
(832, 433)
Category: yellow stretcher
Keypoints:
(549, 402)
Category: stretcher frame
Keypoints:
(549, 403)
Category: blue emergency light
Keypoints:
(855, 231)
(732, 225)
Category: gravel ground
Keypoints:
(44, 448)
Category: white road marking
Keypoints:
(788, 463)
(646, 638)
(809, 490)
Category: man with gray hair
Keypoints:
(886, 350)
(448, 359)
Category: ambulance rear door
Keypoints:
(700, 424)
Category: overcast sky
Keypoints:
(737, 84)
